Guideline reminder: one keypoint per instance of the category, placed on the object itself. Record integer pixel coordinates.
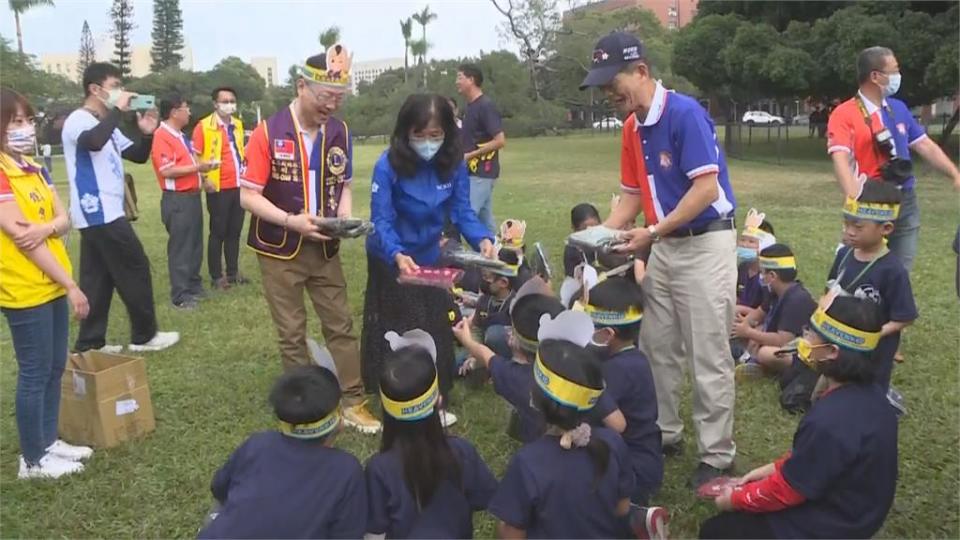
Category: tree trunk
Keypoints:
(16, 17)
(951, 125)
(406, 58)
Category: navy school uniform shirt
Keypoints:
(630, 386)
(790, 313)
(393, 510)
(887, 283)
(491, 311)
(274, 486)
(409, 213)
(552, 493)
(844, 462)
(749, 289)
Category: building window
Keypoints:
(269, 76)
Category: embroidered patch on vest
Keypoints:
(336, 160)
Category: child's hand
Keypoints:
(742, 329)
(463, 331)
(757, 474)
(469, 365)
(723, 502)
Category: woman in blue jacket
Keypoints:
(419, 183)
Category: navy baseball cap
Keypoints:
(611, 54)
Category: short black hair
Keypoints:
(765, 225)
(98, 73)
(880, 192)
(472, 71)
(526, 313)
(853, 366)
(582, 212)
(415, 113)
(216, 92)
(618, 294)
(169, 104)
(305, 394)
(780, 250)
(318, 61)
(512, 258)
(869, 60)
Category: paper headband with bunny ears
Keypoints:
(512, 232)
(412, 338)
(534, 285)
(751, 229)
(573, 326)
(336, 72)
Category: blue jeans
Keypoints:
(40, 343)
(906, 232)
(481, 200)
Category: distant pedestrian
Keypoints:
(47, 152)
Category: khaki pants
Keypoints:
(283, 285)
(690, 290)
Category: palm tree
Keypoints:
(22, 6)
(423, 19)
(406, 28)
(330, 37)
(418, 48)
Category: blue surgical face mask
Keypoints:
(426, 148)
(746, 255)
(893, 84)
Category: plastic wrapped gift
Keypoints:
(714, 488)
(473, 259)
(441, 278)
(599, 238)
(345, 227)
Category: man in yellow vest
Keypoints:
(219, 138)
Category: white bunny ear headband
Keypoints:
(573, 326)
(412, 338)
(751, 229)
(534, 285)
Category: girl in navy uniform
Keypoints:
(839, 480)
(614, 305)
(292, 483)
(422, 483)
(575, 481)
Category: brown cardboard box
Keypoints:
(105, 399)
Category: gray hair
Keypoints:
(869, 60)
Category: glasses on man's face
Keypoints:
(326, 96)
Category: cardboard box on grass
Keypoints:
(105, 399)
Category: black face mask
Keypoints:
(601, 351)
(485, 287)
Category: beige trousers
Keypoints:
(690, 294)
(283, 285)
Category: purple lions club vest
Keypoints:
(289, 187)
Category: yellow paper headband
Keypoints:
(841, 334)
(778, 263)
(339, 78)
(526, 343)
(562, 391)
(879, 212)
(756, 233)
(417, 408)
(605, 317)
(312, 430)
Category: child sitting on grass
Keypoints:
(840, 478)
(582, 216)
(292, 483)
(757, 235)
(422, 483)
(779, 320)
(492, 316)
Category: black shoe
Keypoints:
(237, 280)
(673, 450)
(706, 473)
(189, 304)
(200, 295)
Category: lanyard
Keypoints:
(868, 120)
(856, 280)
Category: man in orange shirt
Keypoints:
(178, 173)
(219, 137)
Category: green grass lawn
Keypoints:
(210, 391)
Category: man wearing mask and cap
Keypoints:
(219, 138)
(298, 170)
(672, 170)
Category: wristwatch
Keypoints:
(654, 235)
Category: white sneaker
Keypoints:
(159, 342)
(111, 349)
(69, 452)
(50, 466)
(447, 418)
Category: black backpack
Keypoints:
(796, 387)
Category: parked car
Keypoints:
(801, 120)
(761, 117)
(609, 122)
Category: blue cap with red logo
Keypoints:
(611, 54)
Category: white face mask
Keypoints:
(22, 140)
(427, 148)
(893, 85)
(227, 108)
(112, 97)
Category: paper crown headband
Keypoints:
(751, 229)
(577, 328)
(841, 334)
(604, 317)
(512, 232)
(336, 71)
(778, 263)
(421, 406)
(879, 212)
(312, 430)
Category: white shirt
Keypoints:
(96, 178)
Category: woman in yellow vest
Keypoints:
(35, 285)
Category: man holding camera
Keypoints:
(870, 137)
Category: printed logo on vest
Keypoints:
(284, 149)
(89, 203)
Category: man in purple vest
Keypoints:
(298, 169)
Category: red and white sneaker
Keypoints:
(649, 523)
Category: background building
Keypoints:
(369, 70)
(66, 63)
(266, 66)
(672, 14)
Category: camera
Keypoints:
(896, 169)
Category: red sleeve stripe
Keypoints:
(771, 494)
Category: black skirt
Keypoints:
(388, 306)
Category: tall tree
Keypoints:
(22, 6)
(88, 53)
(531, 24)
(330, 37)
(418, 48)
(121, 16)
(424, 18)
(406, 28)
(167, 35)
